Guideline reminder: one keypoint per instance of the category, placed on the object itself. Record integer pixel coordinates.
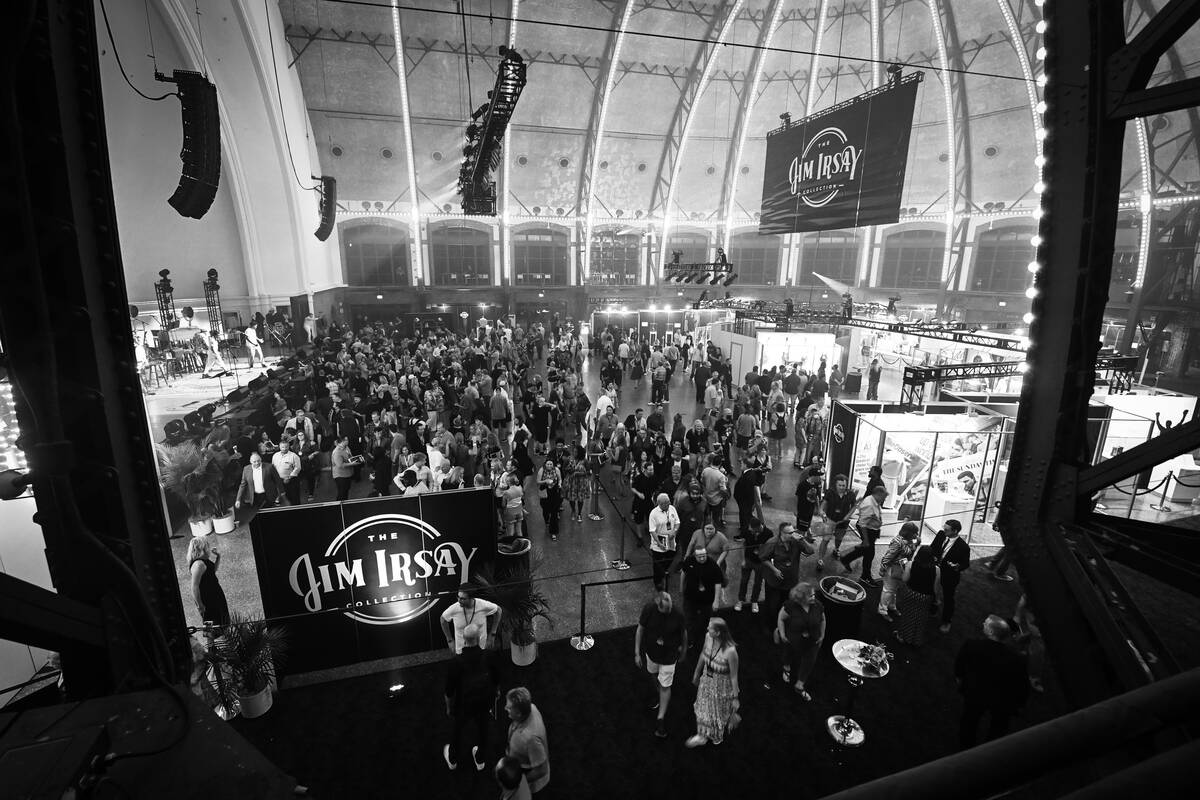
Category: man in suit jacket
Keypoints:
(953, 555)
(261, 486)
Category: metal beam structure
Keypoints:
(1117, 370)
(963, 197)
(594, 137)
(418, 252)
(749, 96)
(69, 352)
(1098, 642)
(1178, 440)
(662, 194)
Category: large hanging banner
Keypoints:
(369, 579)
(842, 167)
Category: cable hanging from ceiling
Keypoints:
(674, 37)
(279, 97)
(117, 56)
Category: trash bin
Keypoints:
(853, 383)
(843, 599)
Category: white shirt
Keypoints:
(258, 480)
(663, 525)
(460, 618)
(251, 337)
(286, 464)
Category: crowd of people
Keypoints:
(505, 408)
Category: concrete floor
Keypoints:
(583, 552)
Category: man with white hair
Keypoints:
(992, 679)
(662, 526)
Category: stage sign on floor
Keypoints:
(368, 579)
(842, 167)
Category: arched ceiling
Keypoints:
(685, 118)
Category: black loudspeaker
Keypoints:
(328, 207)
(201, 153)
(256, 384)
(206, 412)
(237, 395)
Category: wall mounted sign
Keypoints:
(368, 579)
(842, 167)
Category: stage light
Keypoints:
(653, 307)
(541, 294)
(680, 293)
(378, 297)
(1002, 303)
(716, 278)
(732, 277)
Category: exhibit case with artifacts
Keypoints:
(943, 461)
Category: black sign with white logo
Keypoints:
(368, 579)
(843, 167)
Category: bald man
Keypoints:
(663, 527)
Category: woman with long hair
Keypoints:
(512, 499)
(716, 681)
(914, 597)
(203, 560)
(549, 481)
(578, 482)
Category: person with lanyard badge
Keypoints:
(469, 610)
(663, 525)
(870, 521)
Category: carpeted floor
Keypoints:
(347, 739)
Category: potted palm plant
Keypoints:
(249, 652)
(195, 472)
(521, 603)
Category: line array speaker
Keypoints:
(201, 153)
(328, 207)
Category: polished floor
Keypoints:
(578, 563)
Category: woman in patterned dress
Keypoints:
(578, 482)
(914, 597)
(716, 680)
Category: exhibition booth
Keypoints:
(945, 461)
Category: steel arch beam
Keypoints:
(733, 158)
(418, 261)
(595, 132)
(961, 156)
(663, 192)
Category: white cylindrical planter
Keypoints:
(201, 527)
(257, 704)
(225, 524)
(523, 655)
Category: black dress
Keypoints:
(212, 596)
(914, 600)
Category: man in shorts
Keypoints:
(660, 643)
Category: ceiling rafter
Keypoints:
(662, 195)
(747, 98)
(595, 131)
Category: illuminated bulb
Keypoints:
(1040, 134)
(1040, 161)
(1041, 26)
(1033, 267)
(1039, 3)
(983, 327)
(1031, 292)
(1041, 79)
(1023, 366)
(1038, 213)
(1036, 241)
(1041, 54)
(1026, 343)
(1040, 107)
(652, 307)
(1039, 187)
(1027, 318)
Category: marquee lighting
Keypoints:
(1027, 318)
(1033, 267)
(11, 456)
(1145, 201)
(1031, 292)
(405, 115)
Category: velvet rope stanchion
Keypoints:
(621, 562)
(1162, 503)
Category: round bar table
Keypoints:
(844, 730)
